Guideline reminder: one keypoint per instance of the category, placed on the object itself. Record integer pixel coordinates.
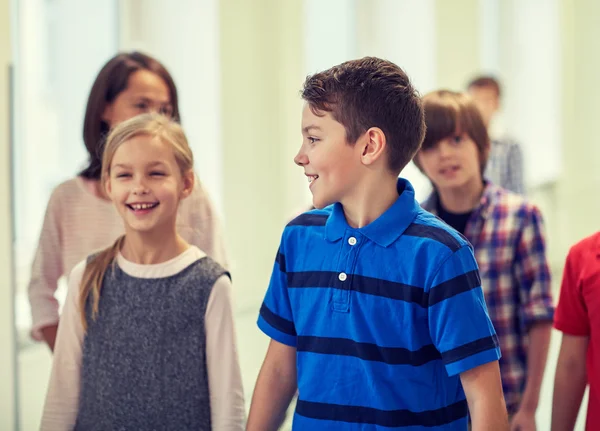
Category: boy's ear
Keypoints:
(188, 179)
(373, 146)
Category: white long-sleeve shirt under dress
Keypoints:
(222, 362)
(78, 223)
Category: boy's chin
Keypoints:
(320, 204)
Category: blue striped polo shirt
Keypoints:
(383, 318)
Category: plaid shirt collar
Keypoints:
(483, 211)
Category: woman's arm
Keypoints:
(46, 269)
(62, 399)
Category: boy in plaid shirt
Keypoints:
(506, 232)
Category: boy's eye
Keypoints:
(123, 175)
(142, 106)
(312, 140)
(457, 139)
(157, 174)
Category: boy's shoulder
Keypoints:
(434, 230)
(314, 217)
(510, 203)
(589, 244)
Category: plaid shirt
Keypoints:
(505, 165)
(507, 235)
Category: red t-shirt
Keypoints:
(578, 312)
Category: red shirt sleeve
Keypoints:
(571, 315)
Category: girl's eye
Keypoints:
(142, 106)
(457, 139)
(157, 174)
(312, 140)
(123, 175)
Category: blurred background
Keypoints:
(239, 66)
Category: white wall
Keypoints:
(530, 64)
(184, 36)
(8, 370)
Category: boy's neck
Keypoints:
(147, 248)
(463, 199)
(373, 199)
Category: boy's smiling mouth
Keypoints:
(311, 178)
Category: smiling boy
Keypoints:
(375, 308)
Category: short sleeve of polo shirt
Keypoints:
(459, 324)
(571, 315)
(276, 319)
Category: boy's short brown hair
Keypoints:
(486, 81)
(371, 92)
(448, 113)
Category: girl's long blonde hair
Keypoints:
(152, 125)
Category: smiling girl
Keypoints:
(146, 340)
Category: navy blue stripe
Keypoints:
(358, 283)
(308, 219)
(384, 418)
(470, 349)
(434, 233)
(454, 286)
(368, 351)
(277, 322)
(280, 259)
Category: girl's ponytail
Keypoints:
(93, 276)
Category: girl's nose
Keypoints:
(140, 187)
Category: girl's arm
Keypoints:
(62, 399)
(224, 374)
(46, 269)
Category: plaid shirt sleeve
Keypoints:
(514, 169)
(532, 271)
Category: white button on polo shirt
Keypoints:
(352, 240)
(342, 276)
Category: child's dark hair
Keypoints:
(448, 113)
(110, 82)
(371, 92)
(484, 81)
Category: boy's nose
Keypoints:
(444, 149)
(301, 158)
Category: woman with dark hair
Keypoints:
(79, 218)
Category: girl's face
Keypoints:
(145, 92)
(146, 184)
(451, 163)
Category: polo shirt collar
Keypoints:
(388, 227)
